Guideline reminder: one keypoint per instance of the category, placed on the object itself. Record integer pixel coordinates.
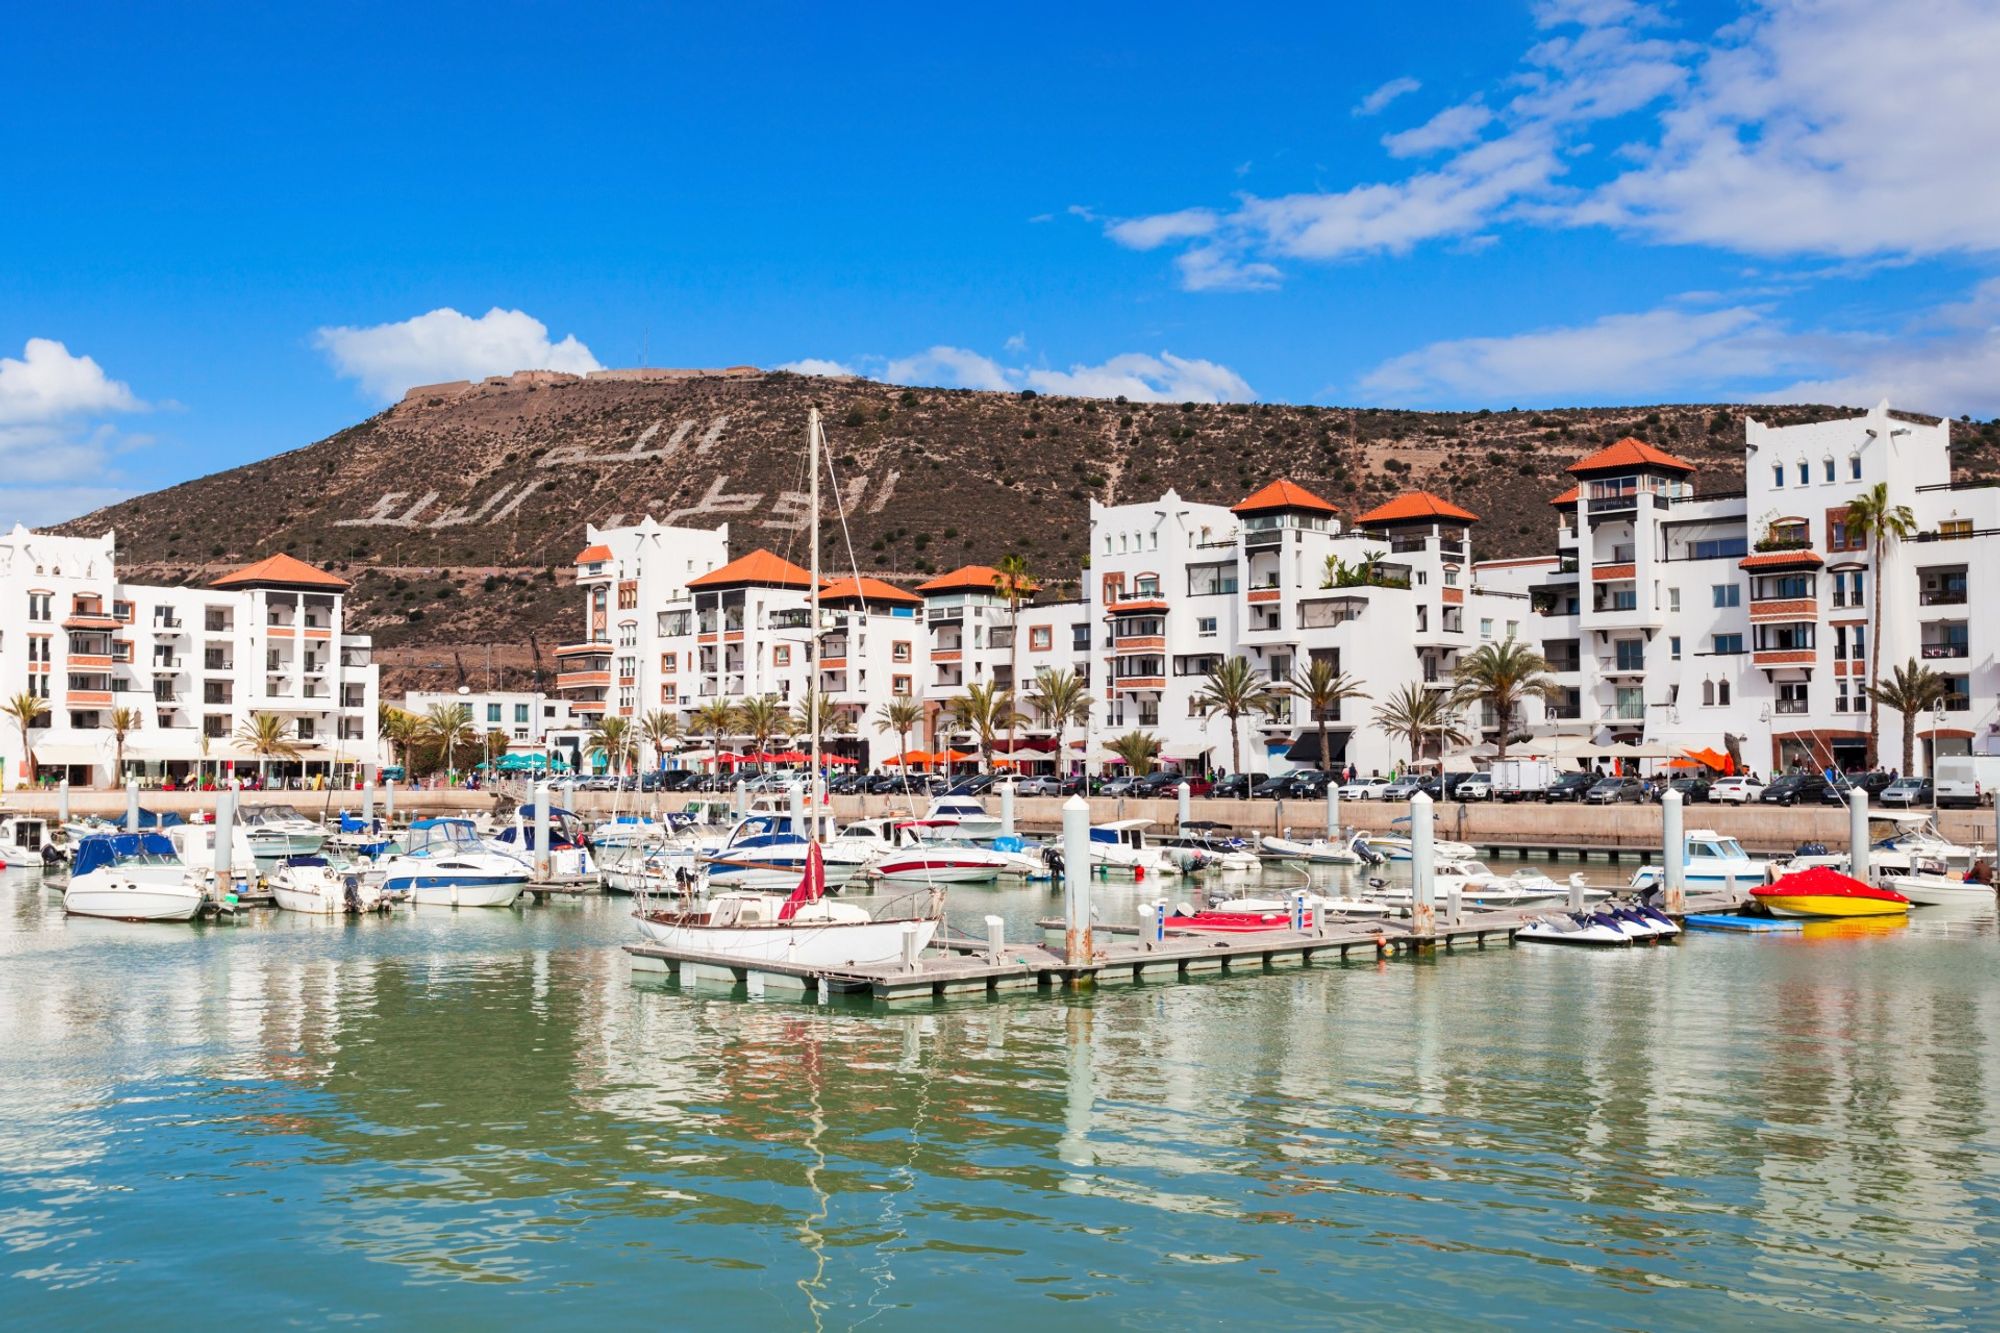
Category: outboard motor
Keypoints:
(353, 886)
(51, 854)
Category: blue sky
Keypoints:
(231, 230)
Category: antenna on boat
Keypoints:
(815, 704)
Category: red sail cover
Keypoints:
(812, 886)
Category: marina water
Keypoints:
(451, 1118)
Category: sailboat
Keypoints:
(804, 927)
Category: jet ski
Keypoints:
(1640, 921)
(1582, 928)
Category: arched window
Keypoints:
(1828, 463)
(1708, 694)
(1805, 473)
(1854, 466)
(1722, 694)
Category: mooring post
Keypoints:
(742, 802)
(996, 939)
(795, 801)
(543, 861)
(1454, 901)
(911, 946)
(1673, 847)
(1149, 923)
(224, 859)
(368, 806)
(62, 801)
(1729, 885)
(1576, 884)
(1299, 911)
(131, 805)
(1185, 801)
(389, 801)
(1159, 920)
(1857, 834)
(1423, 879)
(1007, 809)
(1076, 881)
(1332, 809)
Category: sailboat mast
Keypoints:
(814, 702)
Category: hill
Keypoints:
(457, 511)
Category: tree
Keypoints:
(494, 743)
(124, 721)
(26, 710)
(1234, 688)
(901, 715)
(402, 731)
(713, 719)
(1500, 676)
(1011, 581)
(1139, 750)
(1060, 698)
(1324, 690)
(1871, 517)
(268, 736)
(760, 718)
(613, 738)
(984, 710)
(447, 728)
(1416, 715)
(659, 729)
(1910, 689)
(817, 715)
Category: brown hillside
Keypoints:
(457, 511)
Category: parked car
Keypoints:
(1474, 787)
(976, 785)
(1691, 789)
(1039, 786)
(1796, 788)
(1403, 788)
(1737, 790)
(1451, 781)
(1612, 791)
(1122, 785)
(1364, 789)
(1570, 787)
(1232, 788)
(1908, 793)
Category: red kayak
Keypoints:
(1236, 922)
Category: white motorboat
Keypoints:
(444, 864)
(1712, 862)
(766, 851)
(1121, 847)
(952, 817)
(1396, 847)
(1348, 851)
(621, 831)
(23, 841)
(1917, 837)
(1478, 883)
(569, 846)
(276, 831)
(668, 870)
(132, 877)
(310, 884)
(1931, 885)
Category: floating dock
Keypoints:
(1745, 925)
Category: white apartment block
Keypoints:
(531, 722)
(193, 664)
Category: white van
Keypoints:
(1966, 780)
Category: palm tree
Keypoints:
(401, 730)
(1061, 699)
(494, 743)
(1324, 690)
(713, 719)
(1011, 581)
(762, 717)
(1234, 688)
(1499, 676)
(613, 738)
(1910, 689)
(901, 715)
(659, 729)
(817, 715)
(1415, 714)
(124, 721)
(26, 709)
(985, 710)
(1872, 517)
(268, 736)
(1139, 750)
(447, 728)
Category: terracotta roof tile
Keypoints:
(1416, 505)
(1627, 454)
(760, 568)
(867, 589)
(1282, 494)
(975, 577)
(1799, 559)
(282, 571)
(1569, 497)
(592, 555)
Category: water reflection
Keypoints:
(447, 1114)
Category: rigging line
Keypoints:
(846, 537)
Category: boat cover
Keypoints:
(102, 849)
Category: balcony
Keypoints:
(1128, 684)
(169, 665)
(1942, 596)
(90, 698)
(1790, 706)
(1949, 648)
(583, 680)
(603, 649)
(1612, 504)
(1783, 657)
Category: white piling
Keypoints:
(368, 805)
(795, 800)
(1857, 834)
(1076, 881)
(742, 797)
(1007, 808)
(1673, 848)
(62, 801)
(1184, 799)
(1454, 902)
(131, 805)
(1160, 914)
(224, 832)
(911, 946)
(1333, 809)
(543, 862)
(389, 800)
(1298, 922)
(1576, 892)
(996, 939)
(1423, 861)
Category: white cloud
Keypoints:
(446, 345)
(1150, 233)
(1453, 127)
(1214, 268)
(1137, 375)
(1387, 93)
(813, 365)
(48, 383)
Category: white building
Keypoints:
(531, 722)
(190, 666)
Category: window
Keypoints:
(1728, 594)
(1486, 627)
(1792, 696)
(1857, 643)
(674, 623)
(1708, 694)
(628, 595)
(1854, 467)
(1674, 647)
(1204, 626)
(669, 663)
(1778, 476)
(38, 647)
(1951, 529)
(1631, 654)
(1207, 580)
(1850, 587)
(1146, 585)
(520, 713)
(899, 650)
(1722, 694)
(1775, 587)
(1041, 638)
(39, 605)
(1717, 548)
(781, 654)
(1513, 629)
(1805, 473)
(899, 686)
(1451, 578)
(669, 694)
(1829, 467)
(493, 712)
(1673, 599)
(1631, 703)
(1728, 643)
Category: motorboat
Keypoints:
(626, 831)
(132, 877)
(1121, 847)
(899, 851)
(1236, 922)
(1487, 890)
(313, 885)
(1930, 884)
(1586, 929)
(444, 863)
(766, 850)
(1915, 837)
(1206, 845)
(959, 817)
(25, 843)
(1821, 892)
(276, 831)
(1396, 847)
(569, 846)
(1713, 861)
(1352, 850)
(666, 871)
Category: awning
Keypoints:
(1031, 743)
(1305, 750)
(66, 753)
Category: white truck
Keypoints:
(1966, 780)
(1522, 779)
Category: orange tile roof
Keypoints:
(867, 589)
(760, 568)
(978, 577)
(1629, 453)
(1569, 497)
(281, 571)
(1282, 494)
(591, 555)
(1416, 505)
(1780, 559)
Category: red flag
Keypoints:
(812, 886)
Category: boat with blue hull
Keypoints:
(443, 863)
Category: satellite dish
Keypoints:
(465, 689)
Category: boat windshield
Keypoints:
(442, 837)
(273, 814)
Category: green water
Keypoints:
(455, 1118)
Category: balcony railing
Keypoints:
(1937, 650)
(1611, 504)
(1958, 703)
(1790, 706)
(1942, 597)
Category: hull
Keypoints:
(1934, 892)
(774, 872)
(918, 868)
(267, 845)
(448, 890)
(1830, 905)
(1317, 853)
(980, 827)
(1594, 937)
(810, 944)
(126, 900)
(323, 895)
